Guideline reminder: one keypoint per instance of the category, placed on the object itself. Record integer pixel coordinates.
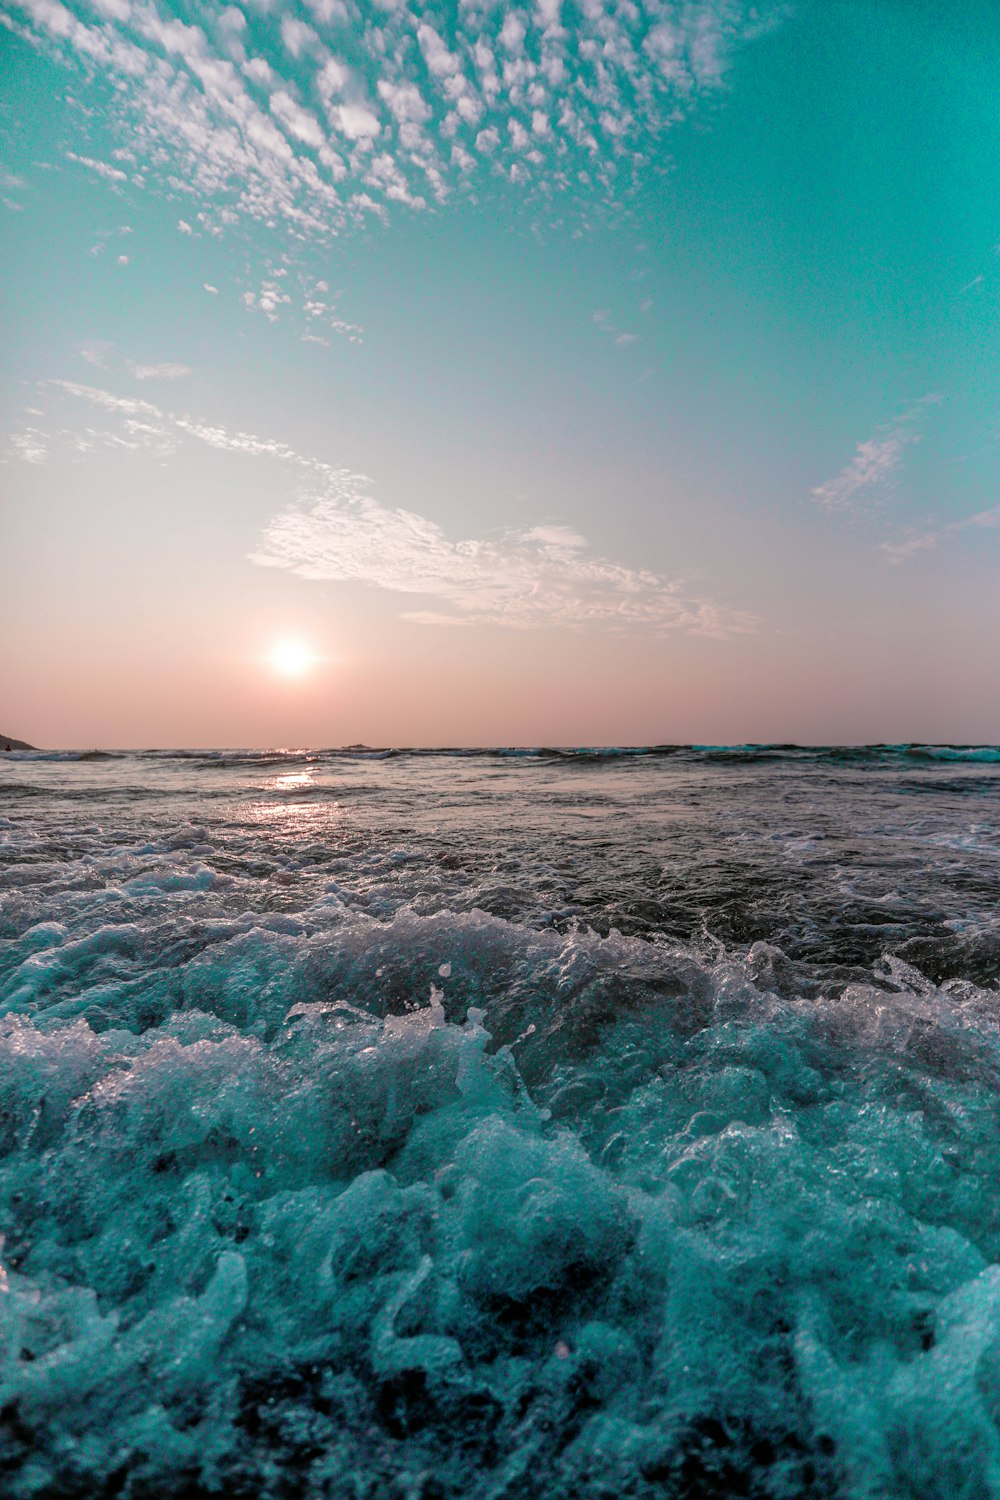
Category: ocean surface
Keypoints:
(483, 1125)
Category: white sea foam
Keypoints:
(318, 1178)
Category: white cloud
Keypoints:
(405, 101)
(214, 290)
(988, 520)
(329, 12)
(873, 465)
(118, 10)
(873, 468)
(296, 120)
(304, 300)
(130, 405)
(298, 36)
(102, 168)
(97, 354)
(438, 58)
(232, 25)
(548, 13)
(333, 78)
(356, 121)
(29, 446)
(900, 552)
(540, 576)
(259, 71)
(505, 91)
(622, 339)
(927, 541)
(555, 536)
(158, 372)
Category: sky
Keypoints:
(615, 372)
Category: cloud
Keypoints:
(29, 445)
(872, 470)
(298, 36)
(485, 93)
(305, 299)
(159, 372)
(535, 576)
(620, 338)
(928, 541)
(131, 405)
(102, 168)
(555, 536)
(900, 552)
(873, 465)
(296, 120)
(988, 520)
(544, 575)
(97, 354)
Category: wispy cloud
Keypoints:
(98, 354)
(622, 338)
(320, 122)
(900, 552)
(102, 168)
(986, 520)
(131, 405)
(874, 464)
(11, 183)
(158, 372)
(542, 575)
(537, 575)
(912, 545)
(30, 445)
(872, 471)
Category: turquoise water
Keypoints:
(500, 1125)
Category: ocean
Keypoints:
(481, 1125)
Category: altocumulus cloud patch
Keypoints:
(309, 117)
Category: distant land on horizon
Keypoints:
(8, 742)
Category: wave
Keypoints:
(322, 1202)
(63, 755)
(876, 754)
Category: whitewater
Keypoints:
(483, 1125)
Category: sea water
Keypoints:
(501, 1124)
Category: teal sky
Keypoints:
(548, 373)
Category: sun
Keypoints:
(291, 658)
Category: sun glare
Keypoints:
(291, 658)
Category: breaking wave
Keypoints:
(347, 1185)
(875, 755)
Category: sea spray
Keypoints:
(341, 1184)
